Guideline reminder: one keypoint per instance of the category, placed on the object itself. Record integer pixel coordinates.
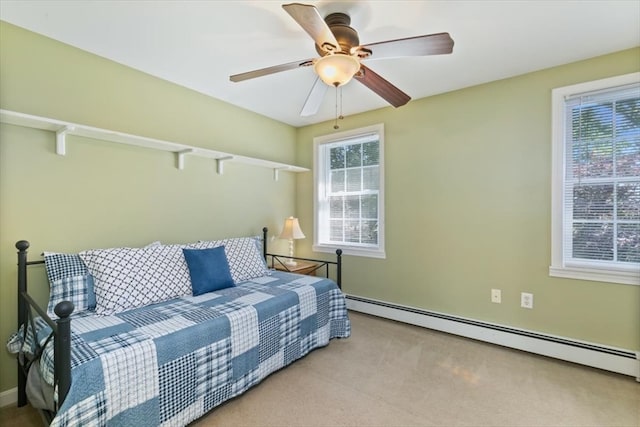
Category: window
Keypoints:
(596, 181)
(349, 192)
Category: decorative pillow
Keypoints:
(126, 278)
(245, 260)
(209, 269)
(69, 280)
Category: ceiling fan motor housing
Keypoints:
(346, 36)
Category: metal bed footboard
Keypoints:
(61, 330)
(275, 258)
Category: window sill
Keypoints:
(346, 250)
(622, 277)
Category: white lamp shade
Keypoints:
(291, 229)
(336, 69)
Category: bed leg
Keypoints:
(22, 387)
(22, 247)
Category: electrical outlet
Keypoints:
(496, 296)
(526, 300)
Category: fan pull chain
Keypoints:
(335, 126)
(340, 117)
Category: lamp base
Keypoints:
(290, 263)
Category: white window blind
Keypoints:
(601, 182)
(349, 192)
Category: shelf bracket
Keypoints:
(181, 155)
(61, 140)
(276, 172)
(220, 163)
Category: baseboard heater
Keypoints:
(611, 359)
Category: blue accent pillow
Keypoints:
(209, 269)
(245, 260)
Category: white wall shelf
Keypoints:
(62, 129)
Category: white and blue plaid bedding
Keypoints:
(170, 363)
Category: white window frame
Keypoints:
(319, 177)
(559, 266)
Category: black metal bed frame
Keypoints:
(61, 328)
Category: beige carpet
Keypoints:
(392, 374)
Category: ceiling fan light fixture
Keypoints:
(336, 69)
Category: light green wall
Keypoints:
(103, 194)
(468, 202)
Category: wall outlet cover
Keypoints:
(526, 300)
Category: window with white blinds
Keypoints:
(598, 192)
(349, 192)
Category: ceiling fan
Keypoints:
(341, 56)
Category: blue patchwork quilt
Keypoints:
(170, 363)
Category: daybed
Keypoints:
(161, 335)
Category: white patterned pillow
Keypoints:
(245, 260)
(125, 278)
(69, 280)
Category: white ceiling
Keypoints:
(199, 44)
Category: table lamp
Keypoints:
(291, 231)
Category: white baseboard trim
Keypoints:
(612, 359)
(9, 397)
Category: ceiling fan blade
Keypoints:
(382, 87)
(314, 99)
(431, 44)
(270, 70)
(308, 17)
